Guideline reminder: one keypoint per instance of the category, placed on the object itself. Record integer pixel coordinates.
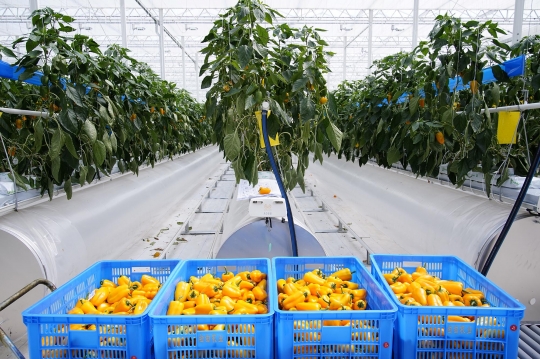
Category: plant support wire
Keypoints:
(265, 108)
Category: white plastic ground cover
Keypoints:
(58, 239)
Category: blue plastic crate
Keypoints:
(424, 332)
(302, 334)
(116, 336)
(245, 336)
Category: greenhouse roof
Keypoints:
(347, 23)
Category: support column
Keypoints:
(370, 42)
(161, 44)
(415, 24)
(344, 58)
(197, 83)
(183, 63)
(123, 22)
(34, 5)
(518, 21)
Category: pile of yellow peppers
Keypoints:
(421, 289)
(122, 298)
(316, 291)
(243, 293)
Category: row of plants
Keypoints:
(250, 58)
(105, 109)
(436, 125)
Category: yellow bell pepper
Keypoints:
(350, 285)
(280, 284)
(324, 301)
(100, 296)
(307, 306)
(419, 295)
(124, 280)
(204, 308)
(475, 292)
(250, 308)
(76, 310)
(87, 307)
(434, 300)
(472, 300)
(453, 287)
(118, 293)
(189, 311)
(107, 283)
(217, 311)
(398, 288)
(292, 300)
(262, 308)
(256, 275)
(225, 276)
(219, 327)
(181, 291)
(260, 293)
(146, 279)
(135, 286)
(245, 275)
(140, 307)
(124, 305)
(311, 277)
(359, 305)
(227, 302)
(390, 278)
(343, 274)
(457, 318)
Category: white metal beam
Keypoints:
(161, 44)
(518, 21)
(123, 22)
(34, 5)
(415, 24)
(370, 39)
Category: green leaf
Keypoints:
(114, 143)
(332, 106)
(413, 105)
(263, 34)
(535, 82)
(488, 176)
(68, 141)
(99, 152)
(19, 180)
(393, 156)
(91, 172)
(318, 153)
(8, 52)
(496, 94)
(55, 168)
(68, 120)
(74, 95)
(335, 135)
(268, 18)
(68, 189)
(50, 188)
(476, 121)
(206, 82)
(83, 171)
(38, 135)
(107, 142)
(232, 145)
(299, 84)
(245, 54)
(307, 110)
(89, 131)
(447, 116)
(500, 74)
(502, 45)
(56, 144)
(250, 102)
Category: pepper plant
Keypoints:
(250, 59)
(433, 124)
(105, 108)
